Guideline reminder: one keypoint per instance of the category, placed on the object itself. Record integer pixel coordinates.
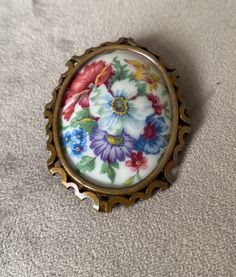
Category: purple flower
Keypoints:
(109, 147)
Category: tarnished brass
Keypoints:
(161, 177)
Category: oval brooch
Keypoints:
(116, 124)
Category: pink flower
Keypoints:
(137, 161)
(157, 106)
(96, 73)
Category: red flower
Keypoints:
(157, 106)
(150, 131)
(152, 98)
(137, 161)
(96, 73)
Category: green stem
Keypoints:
(138, 176)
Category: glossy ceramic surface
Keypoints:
(116, 119)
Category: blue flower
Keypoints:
(77, 149)
(152, 140)
(79, 135)
(66, 139)
(75, 141)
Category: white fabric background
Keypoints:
(188, 230)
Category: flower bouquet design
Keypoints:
(116, 120)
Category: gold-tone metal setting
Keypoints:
(104, 199)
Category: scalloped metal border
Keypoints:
(105, 203)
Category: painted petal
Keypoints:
(144, 165)
(127, 88)
(133, 127)
(105, 153)
(112, 155)
(69, 95)
(111, 124)
(119, 154)
(161, 141)
(140, 144)
(128, 141)
(87, 76)
(129, 163)
(97, 144)
(69, 110)
(140, 108)
(98, 134)
(104, 75)
(155, 146)
(73, 99)
(134, 122)
(125, 150)
(160, 124)
(100, 149)
(99, 100)
(139, 156)
(84, 100)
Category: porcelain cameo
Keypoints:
(116, 124)
(116, 119)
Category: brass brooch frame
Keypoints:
(104, 199)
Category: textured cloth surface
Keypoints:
(188, 230)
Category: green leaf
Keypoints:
(104, 168)
(115, 165)
(87, 163)
(131, 77)
(75, 124)
(165, 104)
(141, 89)
(111, 174)
(121, 72)
(84, 120)
(109, 171)
(138, 176)
(129, 181)
(80, 115)
(164, 92)
(88, 124)
(167, 110)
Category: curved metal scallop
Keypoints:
(162, 182)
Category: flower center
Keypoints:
(150, 131)
(138, 163)
(120, 106)
(114, 140)
(78, 149)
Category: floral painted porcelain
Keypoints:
(114, 120)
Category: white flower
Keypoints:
(120, 109)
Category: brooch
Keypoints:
(116, 124)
